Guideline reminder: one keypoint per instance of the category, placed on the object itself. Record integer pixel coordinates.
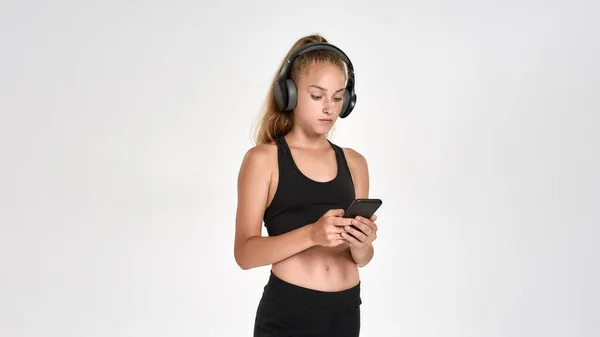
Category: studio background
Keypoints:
(123, 126)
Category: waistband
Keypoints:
(279, 289)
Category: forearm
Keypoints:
(362, 256)
(260, 251)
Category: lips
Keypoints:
(325, 120)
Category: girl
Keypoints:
(299, 183)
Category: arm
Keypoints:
(257, 251)
(360, 175)
(250, 248)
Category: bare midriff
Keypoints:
(320, 268)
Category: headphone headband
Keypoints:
(285, 89)
(316, 46)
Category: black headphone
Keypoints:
(286, 93)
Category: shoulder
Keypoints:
(355, 158)
(357, 164)
(260, 152)
(259, 159)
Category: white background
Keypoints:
(123, 127)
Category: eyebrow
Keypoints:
(321, 88)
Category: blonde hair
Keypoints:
(273, 123)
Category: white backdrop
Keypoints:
(123, 127)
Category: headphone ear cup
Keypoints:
(346, 102)
(292, 94)
(280, 94)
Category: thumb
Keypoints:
(335, 212)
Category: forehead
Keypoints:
(323, 72)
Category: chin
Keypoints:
(322, 130)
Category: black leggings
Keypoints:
(286, 309)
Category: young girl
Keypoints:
(299, 183)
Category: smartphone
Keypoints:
(362, 207)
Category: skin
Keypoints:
(320, 255)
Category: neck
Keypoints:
(302, 139)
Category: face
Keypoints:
(320, 97)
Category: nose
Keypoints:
(328, 105)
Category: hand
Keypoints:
(364, 235)
(328, 229)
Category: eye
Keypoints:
(316, 97)
(337, 99)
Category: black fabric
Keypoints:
(299, 200)
(289, 310)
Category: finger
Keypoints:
(336, 230)
(362, 227)
(356, 233)
(342, 222)
(352, 240)
(373, 218)
(334, 236)
(340, 237)
(367, 222)
(338, 212)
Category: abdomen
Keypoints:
(320, 268)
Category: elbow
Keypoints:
(243, 256)
(242, 264)
(242, 260)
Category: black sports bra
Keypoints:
(299, 200)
